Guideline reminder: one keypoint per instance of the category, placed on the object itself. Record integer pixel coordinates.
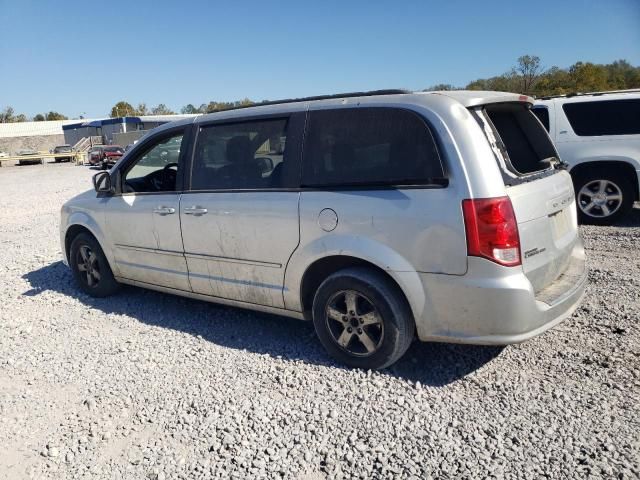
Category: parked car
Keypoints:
(95, 155)
(598, 135)
(105, 155)
(3, 155)
(63, 149)
(112, 154)
(29, 161)
(385, 215)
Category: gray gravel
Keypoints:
(147, 385)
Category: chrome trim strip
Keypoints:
(201, 256)
(150, 250)
(199, 275)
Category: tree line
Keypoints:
(530, 77)
(8, 115)
(527, 76)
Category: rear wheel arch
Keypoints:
(616, 167)
(321, 269)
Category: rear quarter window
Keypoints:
(543, 115)
(607, 117)
(369, 146)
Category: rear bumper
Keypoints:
(494, 305)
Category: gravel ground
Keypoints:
(147, 385)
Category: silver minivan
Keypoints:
(378, 216)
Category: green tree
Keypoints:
(55, 116)
(588, 77)
(527, 72)
(123, 109)
(162, 109)
(7, 115)
(38, 118)
(440, 87)
(142, 109)
(530, 78)
(190, 109)
(20, 118)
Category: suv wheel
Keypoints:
(362, 319)
(90, 267)
(603, 197)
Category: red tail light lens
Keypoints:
(492, 230)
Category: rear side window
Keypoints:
(369, 146)
(246, 155)
(543, 115)
(607, 117)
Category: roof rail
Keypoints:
(595, 94)
(371, 93)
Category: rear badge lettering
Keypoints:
(533, 251)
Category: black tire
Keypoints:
(391, 336)
(104, 284)
(616, 183)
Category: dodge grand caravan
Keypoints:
(378, 216)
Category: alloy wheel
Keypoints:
(354, 323)
(600, 198)
(87, 262)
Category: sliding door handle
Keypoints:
(195, 210)
(164, 210)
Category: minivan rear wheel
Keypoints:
(603, 197)
(362, 319)
(90, 267)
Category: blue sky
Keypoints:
(81, 57)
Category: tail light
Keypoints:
(492, 230)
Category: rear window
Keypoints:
(114, 149)
(543, 115)
(523, 144)
(369, 146)
(607, 117)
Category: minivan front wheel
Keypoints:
(90, 267)
(603, 197)
(362, 319)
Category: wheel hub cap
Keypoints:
(600, 198)
(354, 323)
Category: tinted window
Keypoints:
(543, 115)
(375, 146)
(610, 117)
(155, 170)
(240, 155)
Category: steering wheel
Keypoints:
(165, 179)
(169, 176)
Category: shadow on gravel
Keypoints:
(630, 220)
(432, 364)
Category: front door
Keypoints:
(144, 221)
(239, 222)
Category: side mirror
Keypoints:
(102, 182)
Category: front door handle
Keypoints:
(195, 210)
(161, 210)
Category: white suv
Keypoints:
(598, 136)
